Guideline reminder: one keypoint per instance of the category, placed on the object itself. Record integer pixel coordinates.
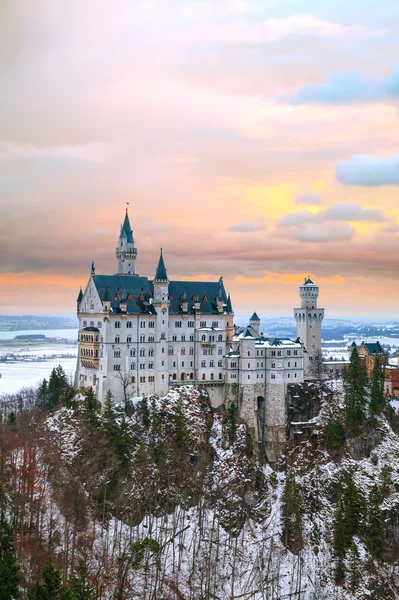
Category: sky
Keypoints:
(253, 139)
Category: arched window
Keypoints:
(191, 375)
(220, 363)
(203, 364)
(132, 366)
(117, 353)
(212, 376)
(220, 375)
(203, 375)
(174, 377)
(183, 351)
(220, 338)
(151, 352)
(128, 339)
(203, 338)
(212, 363)
(142, 339)
(117, 339)
(142, 351)
(133, 352)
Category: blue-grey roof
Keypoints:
(254, 317)
(80, 296)
(160, 273)
(139, 292)
(205, 291)
(127, 229)
(229, 308)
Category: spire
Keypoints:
(254, 317)
(229, 308)
(160, 273)
(80, 296)
(93, 269)
(127, 229)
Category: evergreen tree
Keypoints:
(347, 516)
(377, 398)
(43, 396)
(231, 421)
(58, 384)
(80, 586)
(51, 587)
(181, 431)
(145, 411)
(355, 565)
(335, 434)
(291, 516)
(92, 406)
(375, 532)
(355, 386)
(10, 574)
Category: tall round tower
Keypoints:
(308, 324)
(126, 252)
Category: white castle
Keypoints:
(143, 336)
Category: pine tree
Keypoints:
(355, 386)
(375, 532)
(335, 434)
(80, 586)
(355, 565)
(43, 396)
(340, 534)
(231, 421)
(57, 385)
(181, 432)
(51, 587)
(10, 574)
(92, 406)
(145, 411)
(291, 516)
(377, 398)
(347, 516)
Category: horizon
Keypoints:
(253, 140)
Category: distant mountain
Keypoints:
(32, 322)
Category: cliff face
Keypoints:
(165, 499)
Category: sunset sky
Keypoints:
(254, 139)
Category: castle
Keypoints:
(143, 336)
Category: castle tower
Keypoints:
(308, 324)
(254, 322)
(126, 253)
(161, 303)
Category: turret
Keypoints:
(229, 322)
(126, 253)
(161, 282)
(254, 322)
(308, 324)
(79, 299)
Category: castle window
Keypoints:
(142, 352)
(133, 379)
(215, 323)
(133, 352)
(273, 353)
(174, 365)
(174, 338)
(182, 364)
(191, 375)
(99, 324)
(289, 364)
(132, 366)
(151, 365)
(190, 324)
(151, 352)
(279, 353)
(272, 376)
(273, 365)
(129, 339)
(249, 366)
(220, 338)
(288, 375)
(117, 354)
(220, 363)
(295, 375)
(183, 351)
(151, 324)
(203, 364)
(191, 350)
(163, 336)
(183, 338)
(84, 323)
(142, 366)
(212, 363)
(177, 323)
(142, 379)
(128, 324)
(174, 376)
(142, 339)
(117, 367)
(142, 324)
(212, 376)
(117, 338)
(202, 323)
(151, 339)
(151, 379)
(203, 375)
(220, 351)
(205, 298)
(170, 351)
(288, 352)
(203, 338)
(296, 364)
(220, 375)
(117, 324)
(295, 352)
(249, 376)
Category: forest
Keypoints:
(166, 498)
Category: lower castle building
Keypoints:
(143, 336)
